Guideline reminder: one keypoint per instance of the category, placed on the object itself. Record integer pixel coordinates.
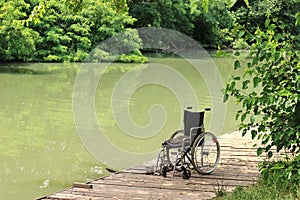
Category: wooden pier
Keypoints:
(237, 167)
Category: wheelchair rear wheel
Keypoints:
(205, 153)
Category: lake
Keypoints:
(47, 133)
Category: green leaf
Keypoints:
(220, 53)
(205, 5)
(236, 78)
(230, 3)
(237, 53)
(261, 128)
(297, 16)
(245, 84)
(271, 27)
(241, 33)
(237, 116)
(253, 134)
(255, 61)
(225, 97)
(259, 151)
(267, 22)
(278, 166)
(256, 81)
(252, 119)
(194, 6)
(243, 117)
(270, 154)
(244, 132)
(262, 54)
(247, 3)
(232, 85)
(237, 64)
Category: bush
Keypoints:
(284, 174)
(259, 191)
(133, 57)
(269, 90)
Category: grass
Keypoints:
(279, 180)
(258, 191)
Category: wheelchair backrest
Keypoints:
(192, 119)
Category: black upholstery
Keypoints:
(192, 119)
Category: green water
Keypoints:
(40, 149)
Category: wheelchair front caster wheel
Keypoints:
(186, 174)
(164, 171)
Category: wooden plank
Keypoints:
(175, 183)
(216, 175)
(83, 185)
(124, 192)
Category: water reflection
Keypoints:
(130, 125)
(40, 151)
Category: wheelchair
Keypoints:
(189, 149)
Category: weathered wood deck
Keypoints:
(237, 167)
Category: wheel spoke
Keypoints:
(205, 153)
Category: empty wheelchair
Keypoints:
(189, 149)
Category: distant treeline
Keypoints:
(50, 31)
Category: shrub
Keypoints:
(284, 174)
(132, 57)
(269, 90)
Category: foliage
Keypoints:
(214, 19)
(49, 31)
(67, 30)
(259, 191)
(132, 57)
(209, 28)
(123, 47)
(284, 174)
(206, 3)
(169, 14)
(269, 90)
(279, 180)
(213, 29)
(16, 40)
(254, 16)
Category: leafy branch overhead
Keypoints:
(269, 90)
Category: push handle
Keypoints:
(190, 107)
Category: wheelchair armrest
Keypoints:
(195, 128)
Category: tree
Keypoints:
(255, 15)
(38, 30)
(169, 14)
(204, 4)
(272, 104)
(213, 28)
(17, 41)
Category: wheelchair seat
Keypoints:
(174, 142)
